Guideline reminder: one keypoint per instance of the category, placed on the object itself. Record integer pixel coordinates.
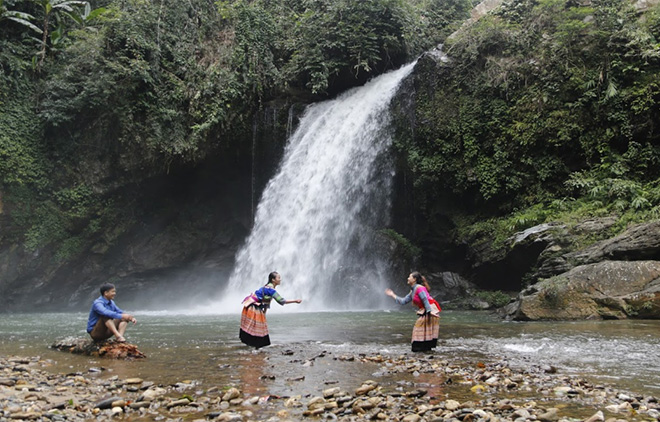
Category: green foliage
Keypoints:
(323, 45)
(87, 16)
(23, 160)
(438, 19)
(48, 226)
(547, 111)
(255, 34)
(333, 38)
(496, 299)
(621, 182)
(21, 156)
(17, 16)
(529, 217)
(40, 214)
(169, 81)
(154, 88)
(630, 310)
(52, 20)
(75, 200)
(552, 296)
(69, 225)
(404, 245)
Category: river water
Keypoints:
(307, 347)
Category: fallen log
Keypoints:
(108, 348)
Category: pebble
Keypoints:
(491, 392)
(596, 417)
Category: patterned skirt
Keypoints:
(254, 330)
(425, 333)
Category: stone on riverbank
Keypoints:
(109, 349)
(38, 395)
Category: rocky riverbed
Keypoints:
(408, 387)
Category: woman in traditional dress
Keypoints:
(254, 329)
(427, 326)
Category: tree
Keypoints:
(52, 8)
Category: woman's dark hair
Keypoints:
(105, 287)
(272, 276)
(420, 279)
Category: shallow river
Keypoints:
(303, 357)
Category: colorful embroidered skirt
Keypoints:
(425, 333)
(254, 330)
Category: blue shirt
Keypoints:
(268, 292)
(102, 307)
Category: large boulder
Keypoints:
(603, 290)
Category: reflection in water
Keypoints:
(305, 347)
(252, 374)
(434, 385)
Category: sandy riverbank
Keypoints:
(399, 391)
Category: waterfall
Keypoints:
(315, 221)
(253, 171)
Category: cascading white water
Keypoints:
(314, 221)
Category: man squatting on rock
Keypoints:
(105, 318)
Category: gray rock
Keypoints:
(107, 403)
(550, 415)
(596, 417)
(640, 242)
(604, 290)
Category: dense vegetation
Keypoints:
(96, 95)
(548, 111)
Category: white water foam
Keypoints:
(607, 357)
